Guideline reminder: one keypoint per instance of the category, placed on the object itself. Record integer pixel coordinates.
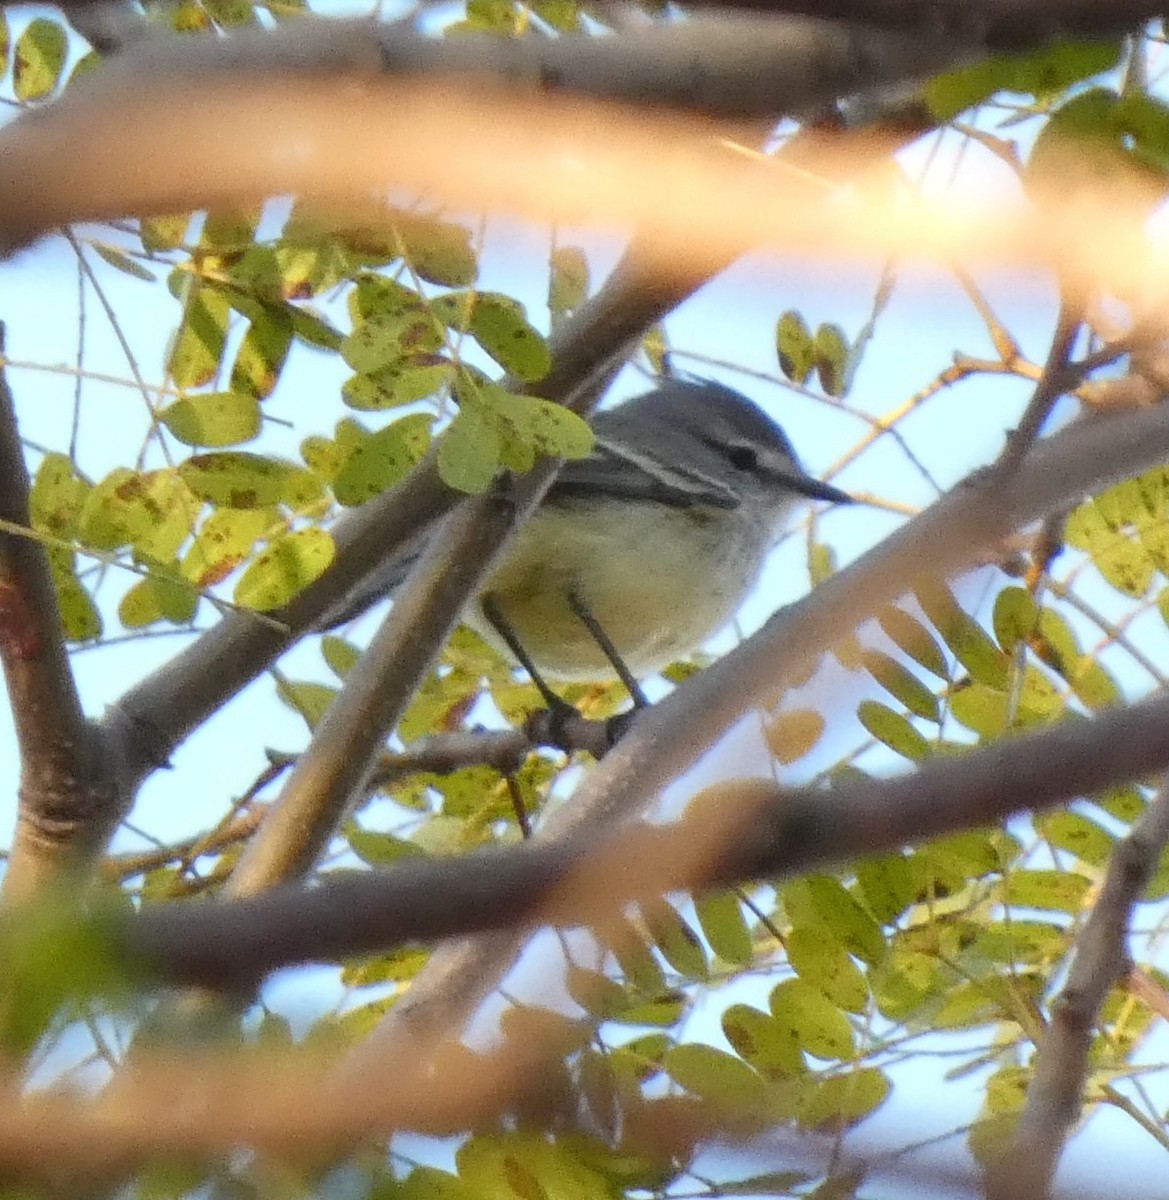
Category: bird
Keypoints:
(645, 548)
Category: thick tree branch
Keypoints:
(1061, 1066)
(64, 783)
(732, 834)
(1002, 26)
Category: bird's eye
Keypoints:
(743, 458)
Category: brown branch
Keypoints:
(108, 147)
(732, 834)
(1002, 26)
(1061, 1061)
(65, 790)
(1053, 383)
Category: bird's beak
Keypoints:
(814, 489)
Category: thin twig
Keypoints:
(1061, 1060)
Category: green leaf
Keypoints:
(1145, 119)
(198, 345)
(967, 640)
(521, 1166)
(568, 282)
(681, 947)
(908, 983)
(52, 960)
(1059, 891)
(40, 58)
(378, 461)
(340, 656)
(236, 478)
(637, 961)
(822, 901)
(57, 496)
(816, 1023)
(902, 684)
(1124, 803)
(717, 1077)
(1122, 560)
(284, 569)
(893, 730)
(721, 917)
(844, 1099)
(439, 251)
(562, 15)
(825, 964)
(468, 452)
(5, 41)
(1044, 72)
(1016, 616)
(121, 261)
(225, 539)
(910, 636)
(263, 353)
(769, 1045)
(405, 382)
(384, 338)
(821, 563)
(160, 234)
(158, 598)
(1018, 942)
(213, 419)
(154, 511)
(310, 700)
(79, 614)
(1084, 147)
(889, 885)
(980, 708)
(499, 324)
(792, 734)
(831, 354)
(793, 344)
(542, 426)
(379, 849)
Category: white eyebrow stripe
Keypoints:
(670, 477)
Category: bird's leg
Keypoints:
(615, 726)
(489, 602)
(580, 607)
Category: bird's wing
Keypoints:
(623, 472)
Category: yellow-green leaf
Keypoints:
(793, 344)
(771, 1046)
(720, 916)
(225, 539)
(213, 418)
(236, 478)
(40, 57)
(404, 382)
(793, 734)
(817, 1024)
(379, 460)
(902, 684)
(198, 345)
(468, 452)
(681, 947)
(892, 729)
(568, 282)
(285, 568)
(824, 963)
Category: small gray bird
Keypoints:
(654, 539)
